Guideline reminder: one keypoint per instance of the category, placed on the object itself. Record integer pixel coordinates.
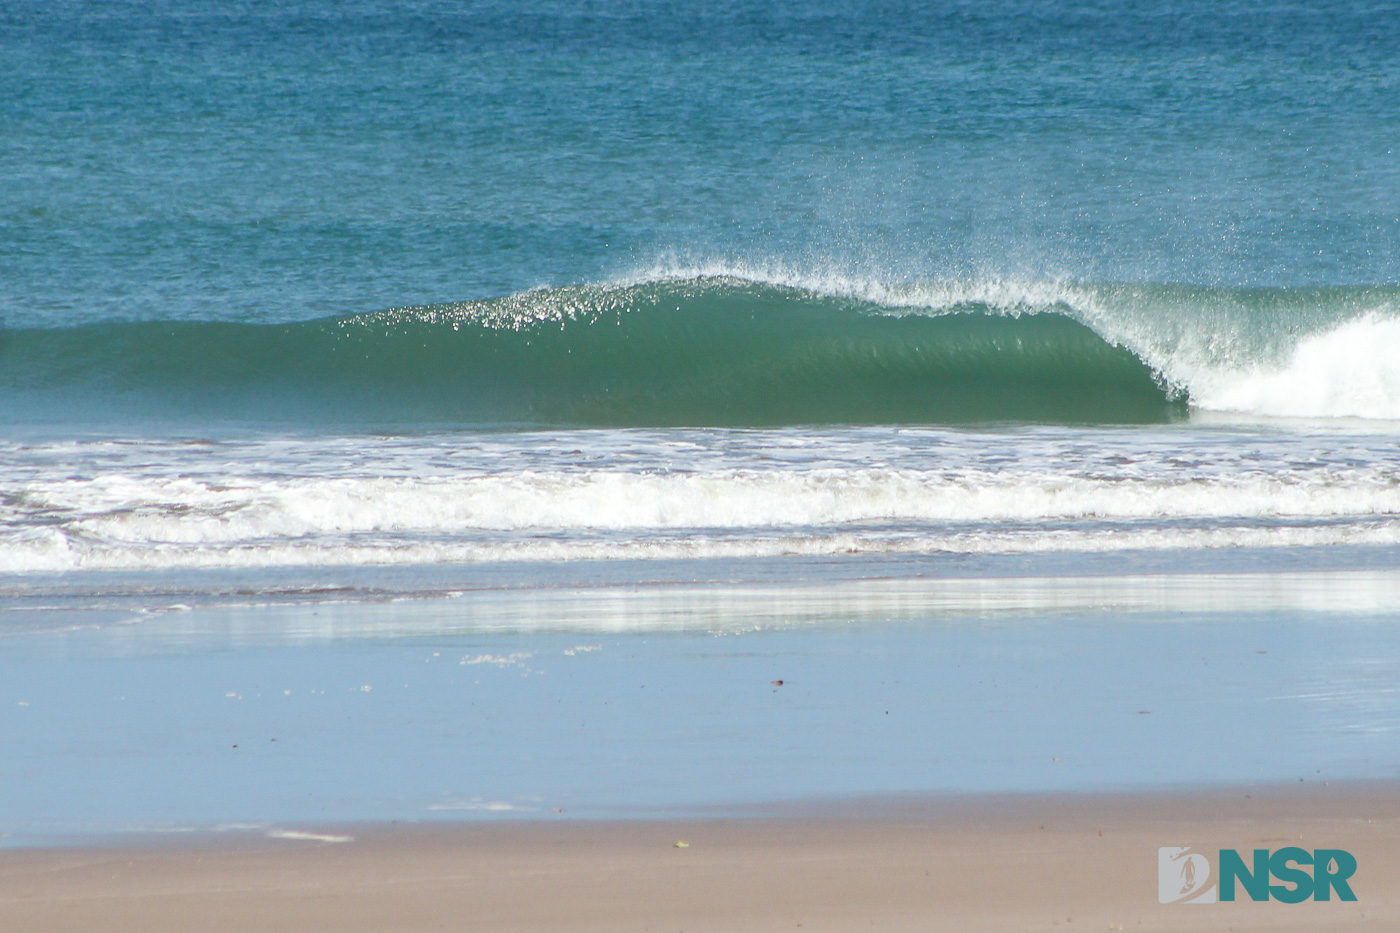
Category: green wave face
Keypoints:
(708, 352)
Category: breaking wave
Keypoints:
(724, 346)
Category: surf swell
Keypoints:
(702, 351)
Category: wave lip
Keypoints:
(701, 352)
(1311, 352)
(720, 346)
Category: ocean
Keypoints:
(867, 338)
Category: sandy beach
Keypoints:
(994, 863)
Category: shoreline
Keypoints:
(967, 863)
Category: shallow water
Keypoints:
(661, 700)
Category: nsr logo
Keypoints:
(1182, 875)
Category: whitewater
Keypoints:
(290, 291)
(713, 412)
(477, 497)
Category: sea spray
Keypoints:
(719, 350)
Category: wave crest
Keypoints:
(698, 351)
(733, 345)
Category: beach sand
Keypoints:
(971, 863)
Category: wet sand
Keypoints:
(970, 863)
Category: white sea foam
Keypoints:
(684, 494)
(621, 517)
(315, 553)
(182, 512)
(1352, 371)
(304, 836)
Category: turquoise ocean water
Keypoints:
(307, 305)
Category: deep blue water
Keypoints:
(290, 160)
